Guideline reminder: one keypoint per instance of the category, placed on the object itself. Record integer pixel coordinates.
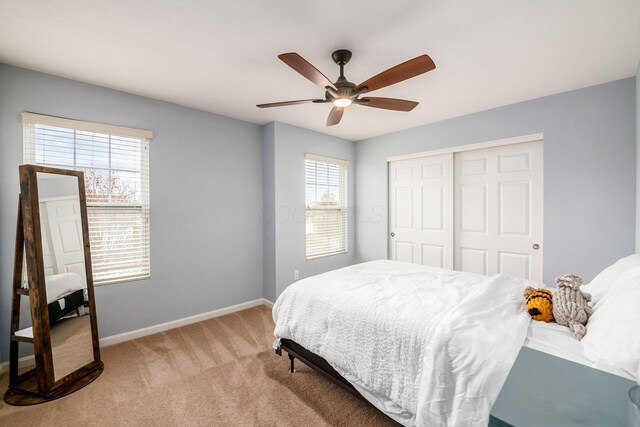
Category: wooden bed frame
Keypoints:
(312, 360)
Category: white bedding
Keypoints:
(558, 341)
(60, 285)
(427, 346)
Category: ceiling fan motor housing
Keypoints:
(344, 87)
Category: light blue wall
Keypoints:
(290, 145)
(206, 200)
(638, 159)
(589, 172)
(64, 186)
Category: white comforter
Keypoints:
(60, 285)
(425, 345)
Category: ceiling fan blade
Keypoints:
(303, 67)
(334, 116)
(388, 103)
(284, 103)
(406, 70)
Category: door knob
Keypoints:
(393, 234)
(536, 246)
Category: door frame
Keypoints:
(535, 137)
(468, 147)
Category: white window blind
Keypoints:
(115, 162)
(326, 202)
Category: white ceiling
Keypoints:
(221, 56)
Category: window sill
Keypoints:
(123, 280)
(325, 255)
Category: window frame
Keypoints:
(344, 203)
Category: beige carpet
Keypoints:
(219, 372)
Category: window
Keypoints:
(115, 161)
(326, 201)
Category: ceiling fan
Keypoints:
(342, 93)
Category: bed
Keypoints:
(66, 293)
(426, 346)
(382, 326)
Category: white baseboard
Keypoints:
(150, 330)
(22, 363)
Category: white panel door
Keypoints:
(421, 211)
(498, 210)
(65, 224)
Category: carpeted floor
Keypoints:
(219, 372)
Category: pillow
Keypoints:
(613, 330)
(607, 277)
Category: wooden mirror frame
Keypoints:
(38, 384)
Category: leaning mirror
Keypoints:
(52, 223)
(65, 272)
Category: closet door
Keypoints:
(421, 211)
(498, 210)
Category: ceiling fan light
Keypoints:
(342, 102)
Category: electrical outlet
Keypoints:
(296, 274)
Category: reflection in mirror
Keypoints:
(25, 349)
(27, 361)
(25, 280)
(65, 272)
